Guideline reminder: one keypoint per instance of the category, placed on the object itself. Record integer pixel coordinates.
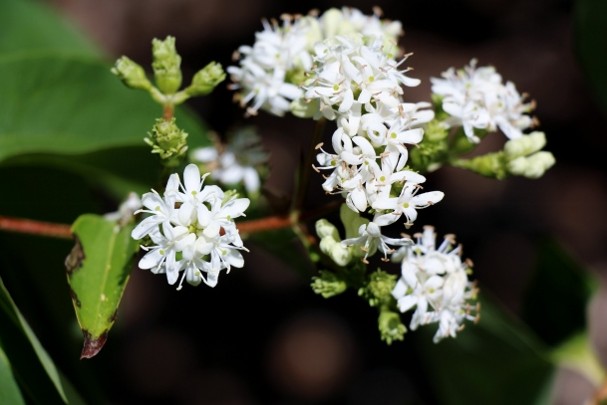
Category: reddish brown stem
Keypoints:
(63, 231)
(41, 228)
(32, 227)
(167, 112)
(264, 224)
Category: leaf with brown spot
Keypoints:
(98, 269)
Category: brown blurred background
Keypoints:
(262, 336)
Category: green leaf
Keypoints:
(66, 105)
(557, 295)
(98, 269)
(496, 361)
(590, 28)
(40, 381)
(27, 26)
(9, 390)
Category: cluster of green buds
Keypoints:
(520, 157)
(168, 78)
(168, 141)
(349, 271)
(166, 138)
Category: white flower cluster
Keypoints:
(271, 71)
(341, 66)
(476, 98)
(359, 86)
(435, 282)
(192, 228)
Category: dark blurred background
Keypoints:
(262, 336)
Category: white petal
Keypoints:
(191, 178)
(145, 227)
(151, 259)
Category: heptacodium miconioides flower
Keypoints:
(476, 98)
(192, 230)
(434, 282)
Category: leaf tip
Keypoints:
(92, 345)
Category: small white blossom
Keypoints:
(435, 282)
(192, 230)
(370, 239)
(407, 204)
(476, 98)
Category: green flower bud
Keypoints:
(131, 74)
(166, 65)
(325, 229)
(168, 140)
(328, 284)
(533, 166)
(525, 145)
(340, 254)
(206, 79)
(390, 326)
(378, 290)
(490, 165)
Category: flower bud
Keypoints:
(206, 79)
(166, 65)
(533, 166)
(131, 74)
(167, 140)
(328, 284)
(390, 326)
(525, 145)
(378, 290)
(325, 229)
(340, 254)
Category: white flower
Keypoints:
(476, 98)
(435, 282)
(407, 204)
(192, 230)
(371, 239)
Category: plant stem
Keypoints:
(33, 227)
(63, 231)
(167, 112)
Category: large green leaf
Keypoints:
(27, 25)
(67, 105)
(9, 390)
(39, 380)
(496, 361)
(590, 26)
(98, 269)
